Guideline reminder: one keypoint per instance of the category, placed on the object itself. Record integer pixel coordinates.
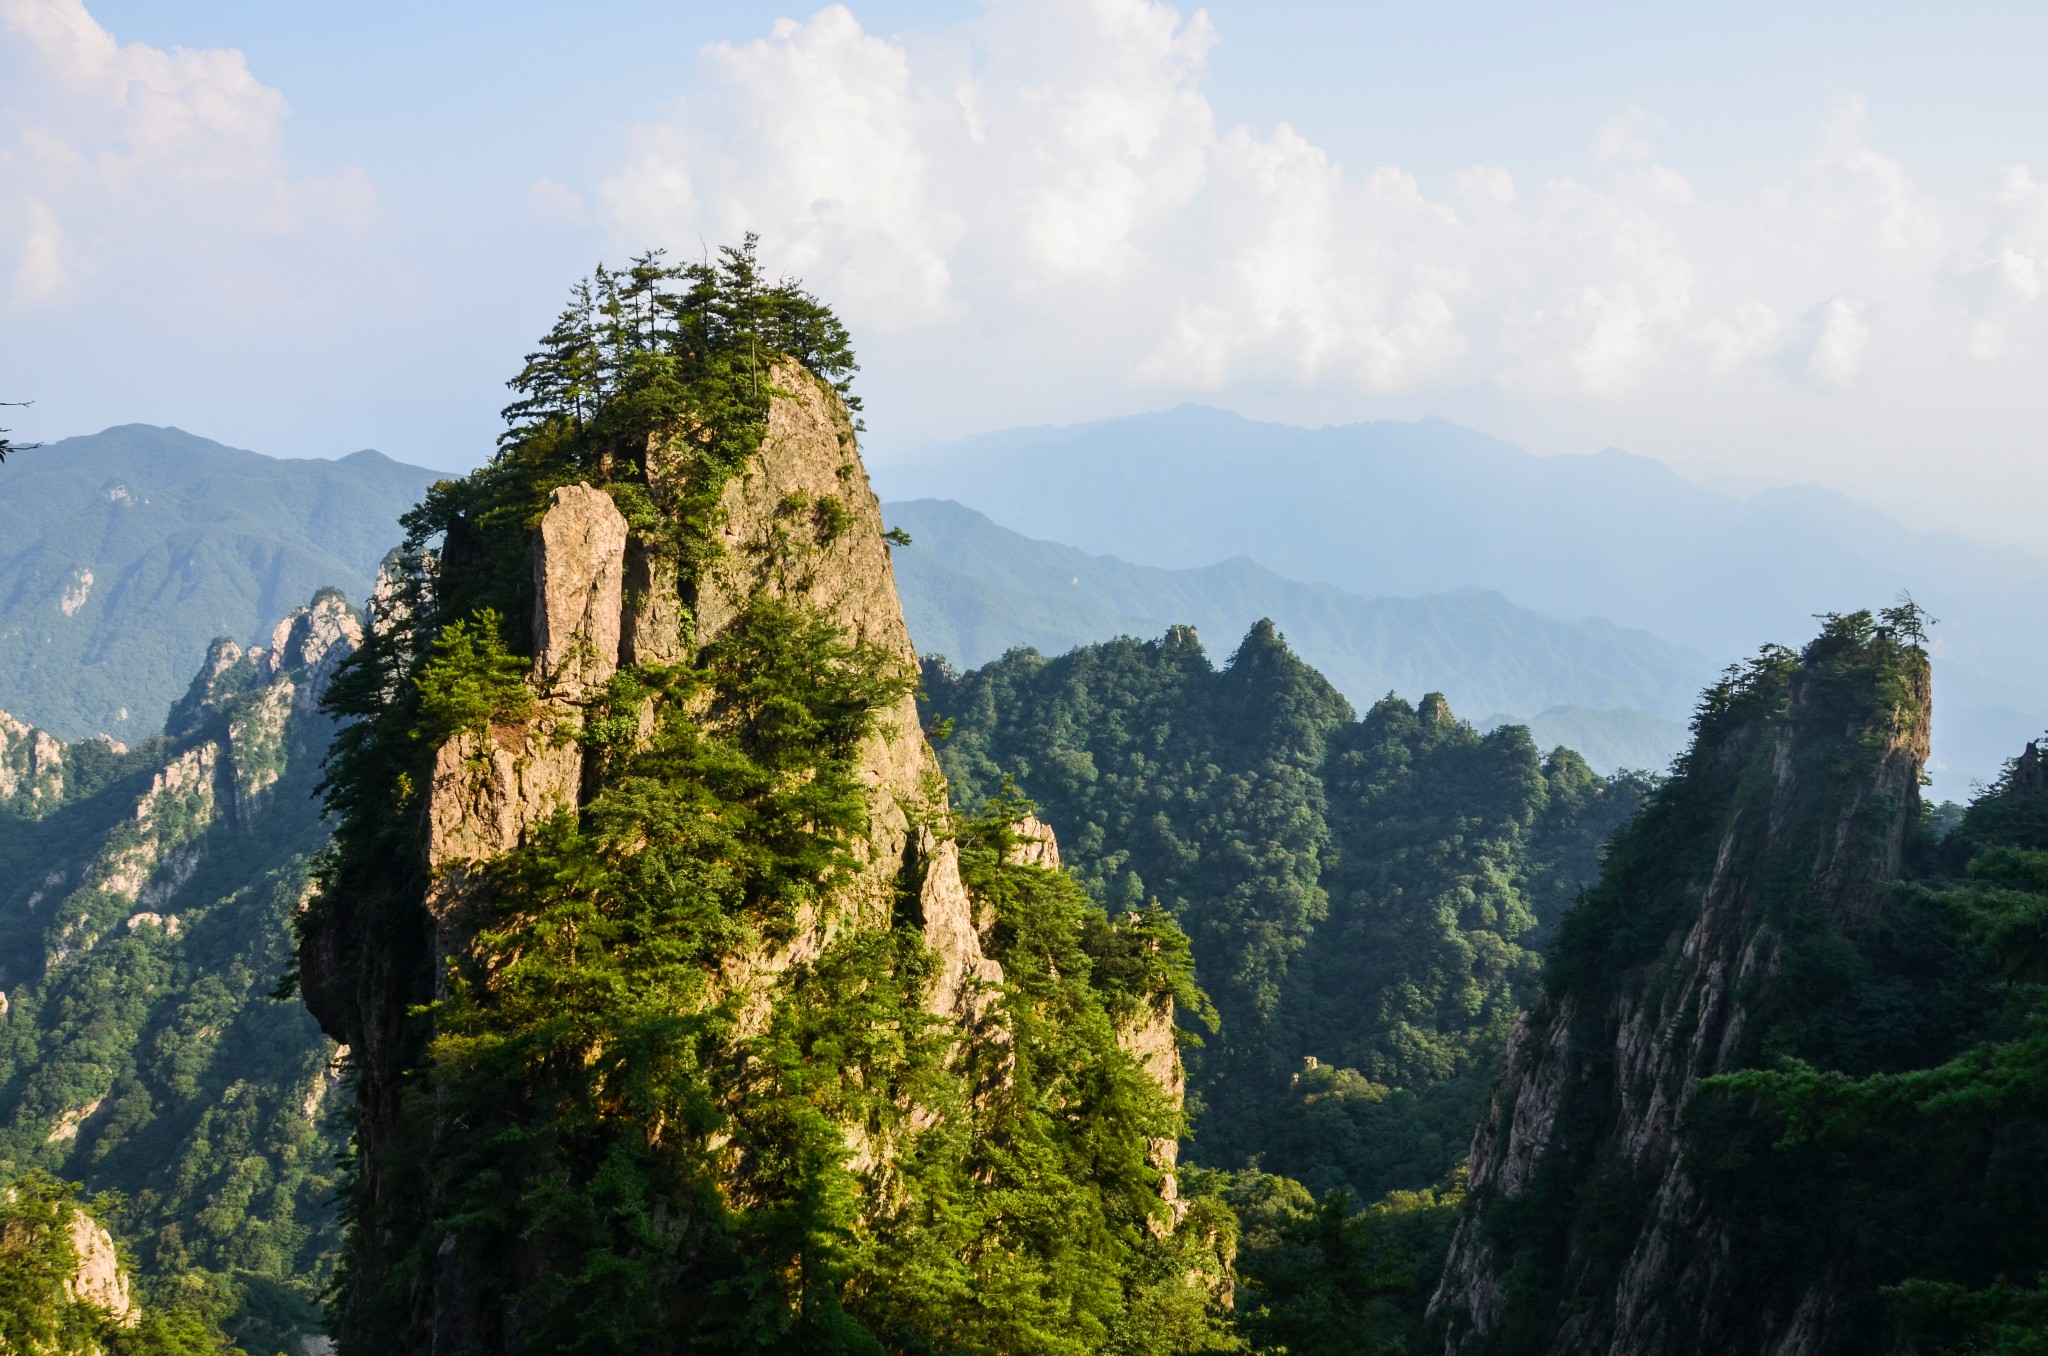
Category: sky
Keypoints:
(1768, 243)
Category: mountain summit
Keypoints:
(683, 1012)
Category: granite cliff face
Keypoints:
(800, 524)
(1588, 1229)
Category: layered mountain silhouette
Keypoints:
(972, 590)
(124, 553)
(1404, 509)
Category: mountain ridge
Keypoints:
(128, 551)
(1403, 509)
(973, 590)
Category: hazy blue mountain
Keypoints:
(1422, 508)
(1605, 739)
(972, 590)
(124, 553)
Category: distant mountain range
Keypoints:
(1405, 509)
(1435, 559)
(972, 590)
(124, 553)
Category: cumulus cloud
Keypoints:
(816, 135)
(1060, 163)
(122, 148)
(1842, 333)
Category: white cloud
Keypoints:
(1998, 283)
(1485, 186)
(1836, 358)
(1097, 128)
(1052, 178)
(125, 149)
(1626, 136)
(1313, 278)
(816, 137)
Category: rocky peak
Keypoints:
(31, 766)
(306, 647)
(1785, 821)
(100, 1279)
(1036, 844)
(312, 641)
(241, 726)
(800, 522)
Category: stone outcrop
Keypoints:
(100, 1280)
(794, 522)
(579, 560)
(248, 714)
(1036, 844)
(1599, 1077)
(491, 789)
(799, 522)
(31, 767)
(1153, 1040)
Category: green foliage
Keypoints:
(1319, 1278)
(2002, 1319)
(1920, 1179)
(1367, 893)
(1881, 1136)
(472, 680)
(40, 1309)
(37, 1258)
(142, 1051)
(673, 1086)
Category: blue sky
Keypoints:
(1765, 243)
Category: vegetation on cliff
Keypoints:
(145, 907)
(1778, 1091)
(1365, 897)
(1365, 900)
(64, 1288)
(1911, 1162)
(651, 1080)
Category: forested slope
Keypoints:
(124, 553)
(146, 898)
(1365, 896)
